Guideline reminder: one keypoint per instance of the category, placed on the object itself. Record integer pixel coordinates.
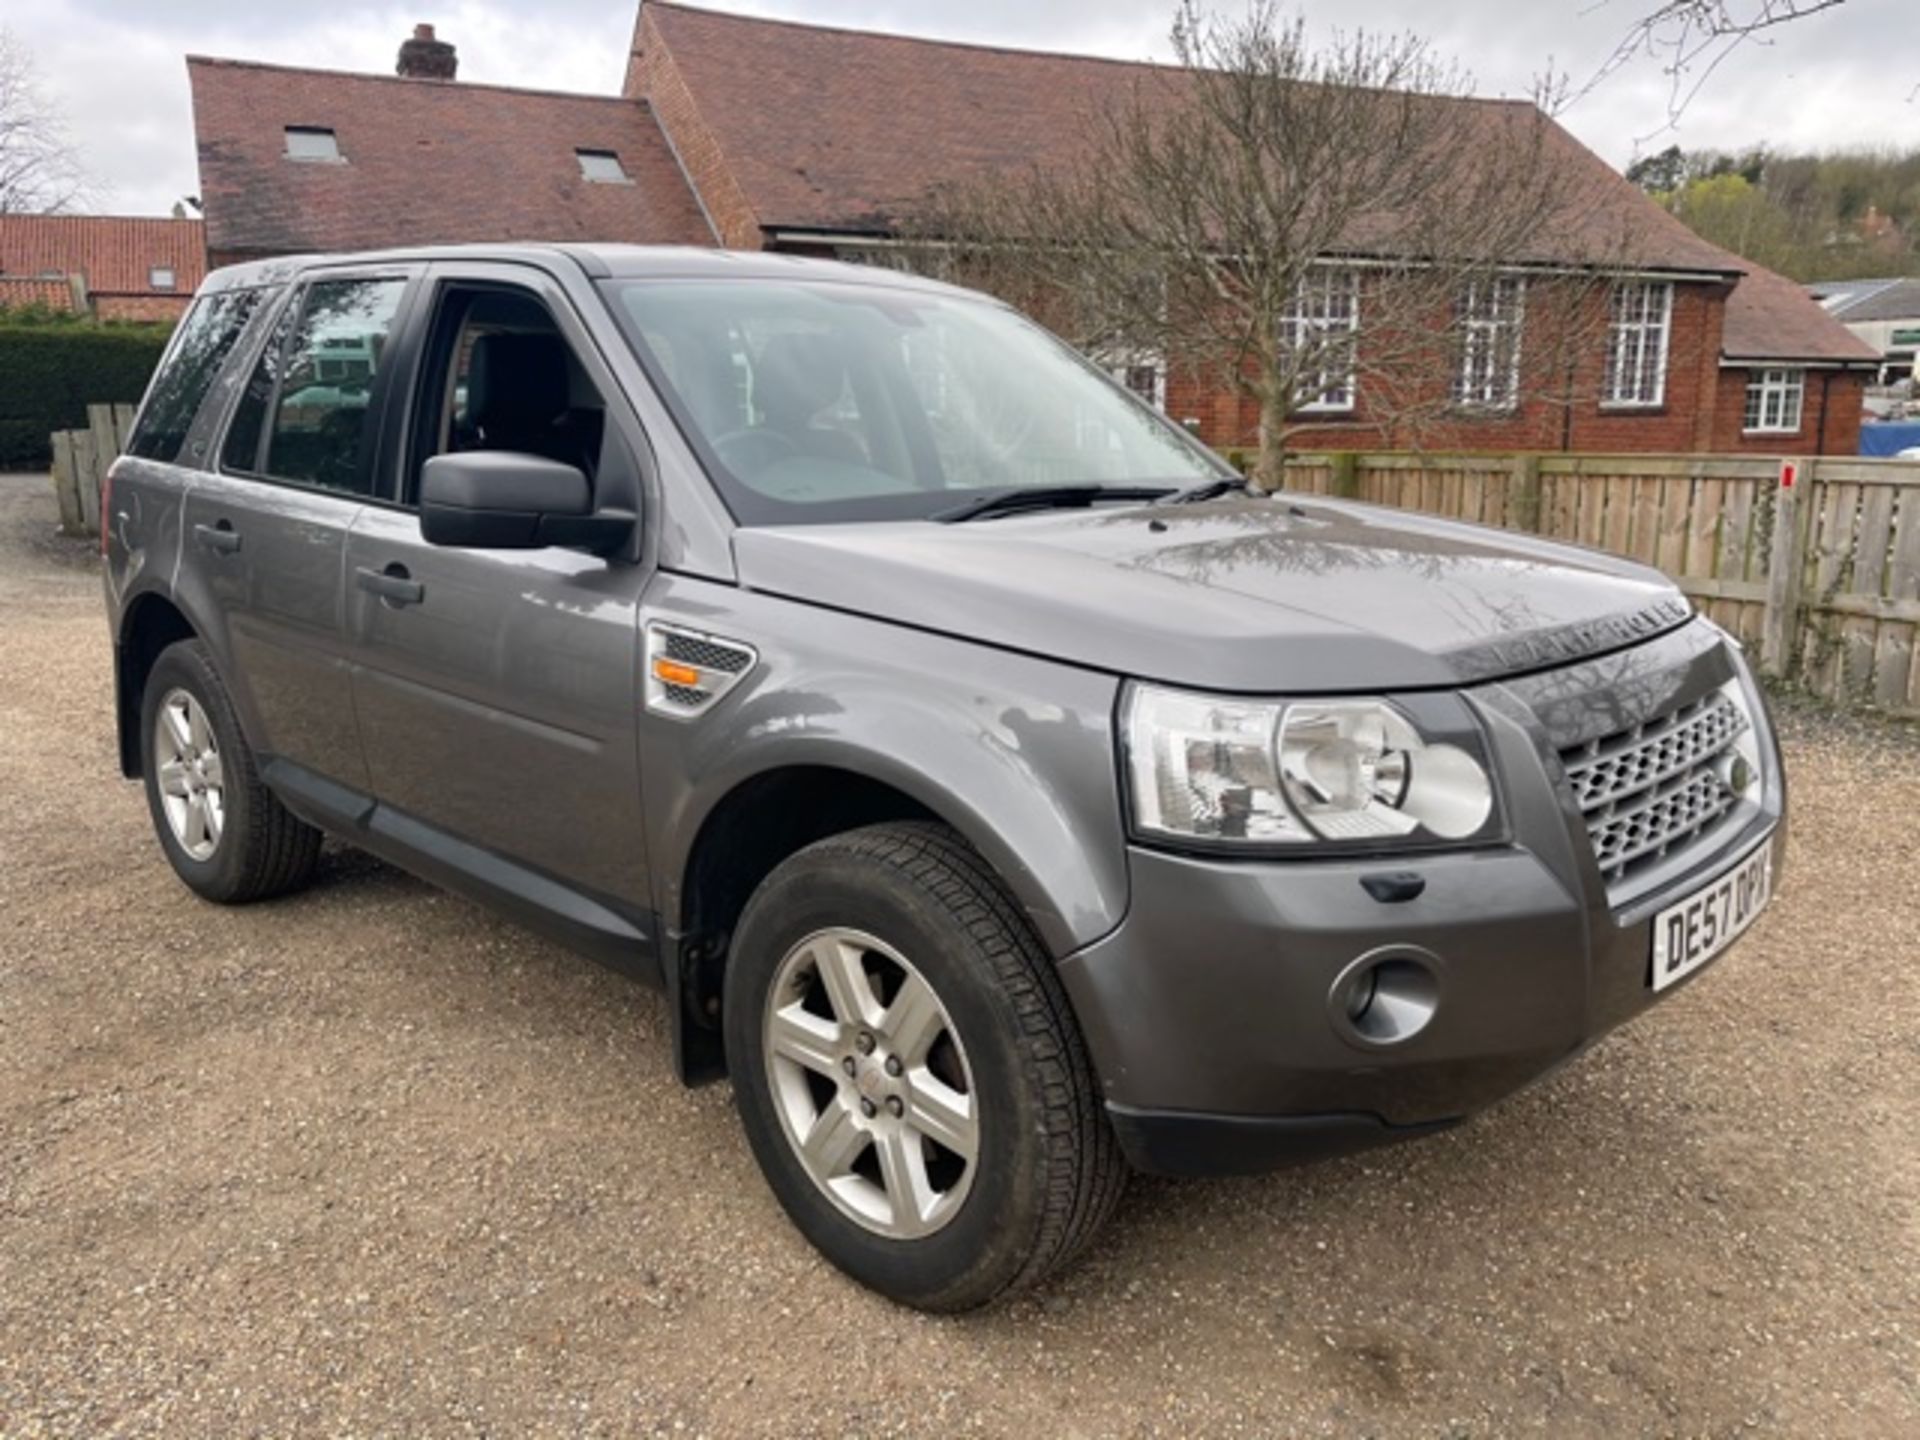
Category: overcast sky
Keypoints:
(1845, 77)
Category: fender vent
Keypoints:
(687, 671)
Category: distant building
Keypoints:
(760, 134)
(1884, 314)
(109, 266)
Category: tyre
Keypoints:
(909, 1073)
(224, 832)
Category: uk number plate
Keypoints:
(1688, 935)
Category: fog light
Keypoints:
(1386, 997)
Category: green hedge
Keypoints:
(49, 374)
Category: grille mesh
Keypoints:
(707, 654)
(1650, 791)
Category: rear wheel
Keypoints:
(909, 1073)
(224, 832)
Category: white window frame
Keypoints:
(155, 280)
(325, 152)
(1639, 341)
(1781, 390)
(1119, 366)
(1493, 315)
(1324, 313)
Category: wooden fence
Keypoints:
(80, 461)
(1813, 563)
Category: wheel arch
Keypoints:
(763, 818)
(149, 625)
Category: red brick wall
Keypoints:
(140, 307)
(652, 76)
(1830, 416)
(1572, 418)
(1845, 412)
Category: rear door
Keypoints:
(498, 690)
(265, 532)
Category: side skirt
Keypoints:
(593, 926)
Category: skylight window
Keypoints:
(161, 277)
(600, 166)
(311, 142)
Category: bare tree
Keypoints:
(39, 169)
(1302, 227)
(1691, 39)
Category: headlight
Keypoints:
(1367, 774)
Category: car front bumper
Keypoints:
(1215, 1013)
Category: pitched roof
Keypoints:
(114, 253)
(423, 161)
(1866, 300)
(1770, 317)
(841, 130)
(21, 291)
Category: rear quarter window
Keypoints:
(206, 338)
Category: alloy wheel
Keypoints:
(190, 775)
(871, 1083)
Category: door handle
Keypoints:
(393, 584)
(220, 537)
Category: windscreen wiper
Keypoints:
(1015, 498)
(1206, 490)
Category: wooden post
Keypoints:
(1344, 483)
(86, 479)
(1786, 568)
(66, 484)
(1523, 504)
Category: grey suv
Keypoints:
(1002, 796)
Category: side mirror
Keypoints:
(503, 500)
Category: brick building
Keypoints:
(110, 266)
(760, 134)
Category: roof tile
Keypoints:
(1770, 317)
(115, 253)
(424, 162)
(837, 129)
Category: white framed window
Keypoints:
(1638, 333)
(1319, 324)
(1492, 315)
(1774, 401)
(313, 143)
(1143, 374)
(600, 166)
(161, 277)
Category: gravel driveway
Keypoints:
(370, 1161)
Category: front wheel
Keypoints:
(909, 1073)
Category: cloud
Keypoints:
(117, 65)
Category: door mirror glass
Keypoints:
(505, 500)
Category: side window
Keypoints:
(207, 336)
(241, 451)
(320, 425)
(506, 379)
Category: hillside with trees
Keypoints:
(1834, 216)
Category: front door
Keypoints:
(497, 690)
(266, 533)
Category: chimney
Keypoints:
(425, 58)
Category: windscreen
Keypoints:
(816, 401)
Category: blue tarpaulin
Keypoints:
(1889, 437)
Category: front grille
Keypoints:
(1650, 791)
